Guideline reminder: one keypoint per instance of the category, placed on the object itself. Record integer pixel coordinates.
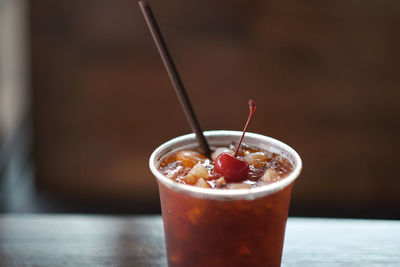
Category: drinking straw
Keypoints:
(174, 76)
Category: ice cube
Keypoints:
(255, 157)
(190, 179)
(189, 158)
(202, 183)
(269, 176)
(220, 182)
(173, 170)
(198, 171)
(220, 150)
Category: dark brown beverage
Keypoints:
(225, 224)
(206, 232)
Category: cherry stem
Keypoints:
(252, 106)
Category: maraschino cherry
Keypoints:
(232, 168)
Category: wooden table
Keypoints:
(68, 240)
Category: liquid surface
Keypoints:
(192, 168)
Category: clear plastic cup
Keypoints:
(224, 227)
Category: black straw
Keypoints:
(174, 76)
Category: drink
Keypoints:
(225, 227)
(220, 227)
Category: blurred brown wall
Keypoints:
(324, 74)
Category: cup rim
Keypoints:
(224, 194)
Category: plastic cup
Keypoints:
(224, 227)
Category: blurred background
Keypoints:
(85, 99)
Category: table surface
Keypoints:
(71, 240)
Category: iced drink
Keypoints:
(212, 222)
